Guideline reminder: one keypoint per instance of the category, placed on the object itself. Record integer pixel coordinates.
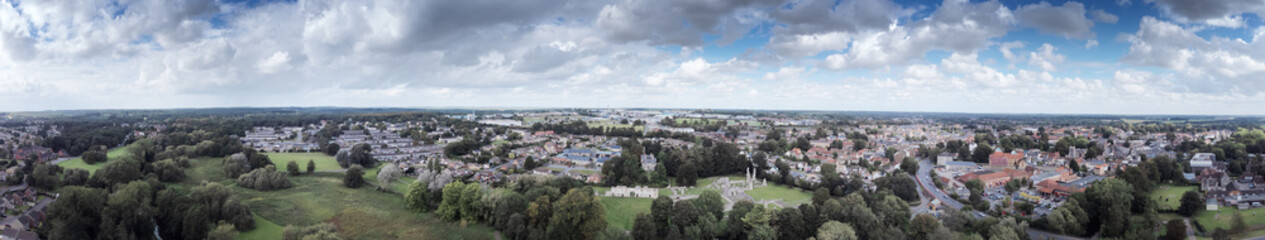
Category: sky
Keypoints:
(1097, 57)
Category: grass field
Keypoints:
(362, 213)
(621, 212)
(113, 154)
(786, 194)
(1210, 219)
(323, 162)
(264, 230)
(1170, 196)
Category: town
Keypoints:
(922, 175)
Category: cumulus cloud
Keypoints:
(1210, 9)
(1207, 65)
(1104, 16)
(1068, 20)
(1045, 58)
(972, 26)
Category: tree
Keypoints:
(224, 231)
(1191, 203)
(687, 174)
(76, 214)
(661, 214)
(360, 154)
(450, 207)
(264, 179)
(530, 163)
(168, 170)
(901, 184)
(820, 196)
(909, 165)
(684, 213)
(320, 231)
(116, 172)
(924, 226)
(469, 205)
(1176, 230)
(577, 215)
(418, 196)
(1114, 198)
(388, 173)
(45, 176)
(94, 157)
(343, 159)
(354, 177)
(330, 149)
(1237, 224)
(128, 212)
(981, 153)
(710, 202)
(311, 166)
(643, 227)
(293, 168)
(790, 224)
(74, 177)
(835, 230)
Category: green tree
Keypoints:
(223, 231)
(128, 212)
(577, 215)
(74, 177)
(643, 227)
(901, 184)
(354, 177)
(1176, 230)
(76, 214)
(94, 157)
(1237, 224)
(311, 166)
(1191, 203)
(361, 154)
(418, 196)
(293, 168)
(909, 165)
(450, 207)
(1114, 199)
(687, 174)
(835, 230)
(924, 226)
(710, 202)
(661, 213)
(116, 172)
(470, 196)
(820, 196)
(981, 153)
(684, 213)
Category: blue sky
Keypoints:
(1111, 56)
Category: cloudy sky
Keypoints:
(1102, 56)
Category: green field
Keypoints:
(1210, 220)
(362, 213)
(1170, 196)
(113, 154)
(786, 194)
(621, 212)
(323, 162)
(264, 230)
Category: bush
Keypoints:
(354, 177)
(322, 231)
(94, 157)
(292, 168)
(169, 171)
(74, 177)
(264, 179)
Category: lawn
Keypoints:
(786, 194)
(113, 154)
(362, 213)
(1210, 220)
(264, 230)
(1170, 196)
(621, 212)
(323, 162)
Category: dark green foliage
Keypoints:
(74, 177)
(264, 179)
(359, 155)
(116, 172)
(292, 168)
(354, 177)
(128, 213)
(93, 157)
(1176, 230)
(76, 214)
(1191, 203)
(45, 176)
(311, 166)
(168, 170)
(901, 184)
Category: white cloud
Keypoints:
(1207, 65)
(1091, 43)
(1045, 58)
(785, 74)
(1104, 16)
(972, 26)
(1068, 20)
(278, 62)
